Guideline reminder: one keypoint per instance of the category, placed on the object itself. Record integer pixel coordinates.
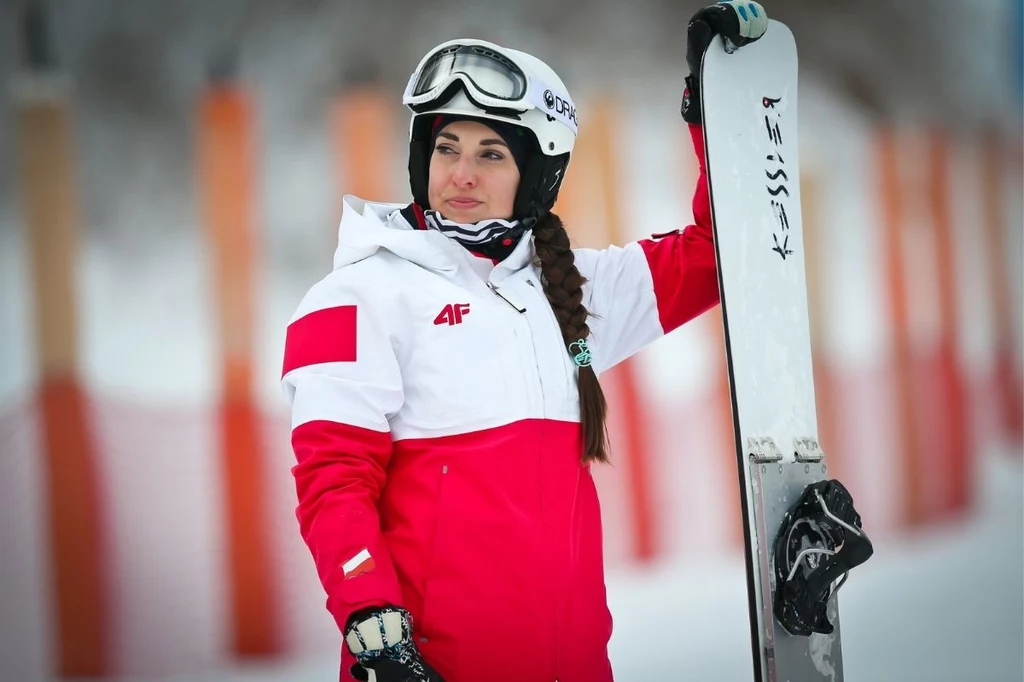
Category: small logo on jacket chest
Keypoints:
(452, 314)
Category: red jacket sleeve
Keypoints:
(682, 263)
(339, 474)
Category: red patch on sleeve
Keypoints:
(327, 335)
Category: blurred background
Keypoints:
(170, 183)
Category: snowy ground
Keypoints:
(943, 606)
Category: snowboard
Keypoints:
(749, 108)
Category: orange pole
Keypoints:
(226, 171)
(956, 446)
(572, 206)
(1006, 371)
(890, 190)
(592, 174)
(829, 435)
(636, 443)
(73, 510)
(361, 126)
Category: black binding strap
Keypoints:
(825, 522)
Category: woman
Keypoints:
(443, 382)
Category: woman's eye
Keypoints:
(444, 149)
(494, 156)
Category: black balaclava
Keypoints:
(521, 144)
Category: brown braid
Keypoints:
(563, 286)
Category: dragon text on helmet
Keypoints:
(560, 106)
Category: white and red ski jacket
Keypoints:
(435, 423)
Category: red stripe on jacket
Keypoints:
(327, 335)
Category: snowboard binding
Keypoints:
(819, 541)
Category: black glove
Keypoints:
(381, 640)
(738, 21)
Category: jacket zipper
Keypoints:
(505, 296)
(538, 383)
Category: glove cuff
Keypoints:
(690, 107)
(382, 633)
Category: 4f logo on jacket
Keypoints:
(452, 314)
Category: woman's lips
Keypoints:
(463, 203)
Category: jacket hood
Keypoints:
(367, 227)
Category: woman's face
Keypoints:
(473, 175)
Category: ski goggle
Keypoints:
(490, 79)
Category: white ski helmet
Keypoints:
(467, 77)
